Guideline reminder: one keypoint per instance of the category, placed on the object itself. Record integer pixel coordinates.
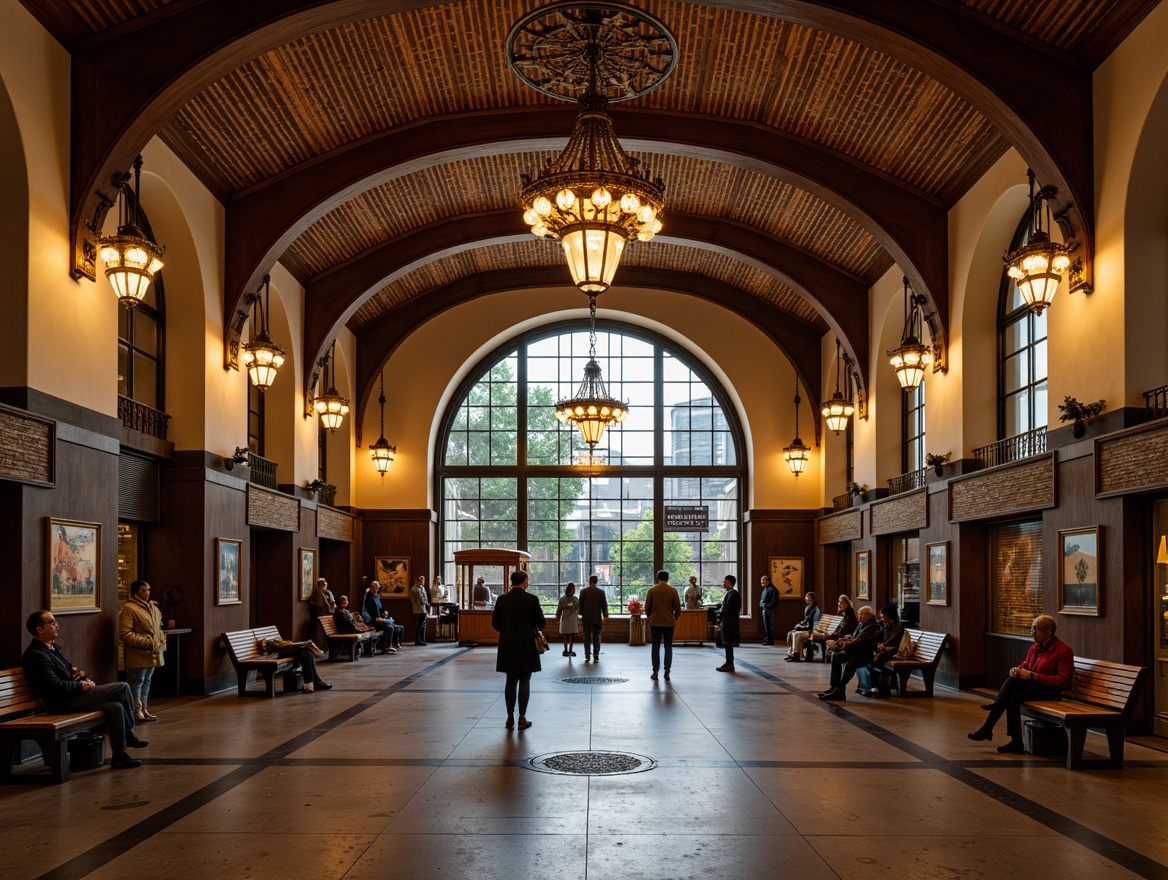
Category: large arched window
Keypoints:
(141, 337)
(506, 476)
(1022, 364)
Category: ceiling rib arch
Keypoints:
(335, 296)
(377, 341)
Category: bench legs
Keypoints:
(1077, 739)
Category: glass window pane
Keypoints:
(145, 380)
(145, 332)
(1016, 371)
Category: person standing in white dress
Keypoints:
(568, 615)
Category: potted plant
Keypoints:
(1078, 414)
(936, 462)
(856, 489)
(319, 486)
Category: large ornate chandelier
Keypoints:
(593, 198)
(592, 408)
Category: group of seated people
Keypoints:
(371, 615)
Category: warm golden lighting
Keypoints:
(1038, 266)
(839, 409)
(797, 454)
(330, 406)
(592, 409)
(131, 259)
(262, 357)
(912, 357)
(382, 453)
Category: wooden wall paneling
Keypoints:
(302, 617)
(776, 533)
(277, 567)
(401, 532)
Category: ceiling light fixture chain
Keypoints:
(798, 453)
(262, 357)
(592, 408)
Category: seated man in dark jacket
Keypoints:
(852, 652)
(378, 618)
(65, 689)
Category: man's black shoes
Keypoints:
(135, 743)
(122, 760)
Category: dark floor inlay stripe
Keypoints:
(105, 852)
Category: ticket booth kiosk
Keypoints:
(474, 611)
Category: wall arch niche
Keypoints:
(509, 475)
(14, 232)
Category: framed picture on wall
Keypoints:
(1079, 568)
(937, 586)
(787, 576)
(393, 573)
(228, 553)
(863, 580)
(307, 573)
(74, 566)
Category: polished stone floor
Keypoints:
(405, 769)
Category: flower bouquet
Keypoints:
(636, 606)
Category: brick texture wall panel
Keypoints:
(275, 510)
(1017, 488)
(26, 447)
(333, 524)
(1137, 460)
(901, 513)
(845, 526)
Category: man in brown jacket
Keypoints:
(662, 608)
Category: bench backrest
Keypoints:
(1109, 685)
(16, 694)
(928, 644)
(242, 643)
(827, 623)
(328, 625)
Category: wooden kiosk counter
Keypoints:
(495, 566)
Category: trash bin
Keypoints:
(293, 680)
(86, 752)
(1044, 738)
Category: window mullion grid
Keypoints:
(658, 456)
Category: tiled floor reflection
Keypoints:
(405, 769)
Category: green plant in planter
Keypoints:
(937, 462)
(319, 486)
(1078, 414)
(857, 489)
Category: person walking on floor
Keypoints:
(728, 616)
(143, 644)
(568, 614)
(516, 618)
(662, 609)
(593, 613)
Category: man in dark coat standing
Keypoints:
(728, 614)
(516, 617)
(593, 613)
(65, 689)
(768, 602)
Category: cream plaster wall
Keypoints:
(834, 452)
(14, 232)
(424, 373)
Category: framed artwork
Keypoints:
(1079, 561)
(74, 566)
(228, 553)
(393, 573)
(307, 573)
(863, 580)
(787, 576)
(937, 586)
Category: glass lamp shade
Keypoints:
(910, 361)
(591, 410)
(1037, 268)
(837, 412)
(263, 359)
(796, 456)
(332, 409)
(1162, 556)
(131, 262)
(382, 454)
(593, 254)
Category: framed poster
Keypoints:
(74, 566)
(1079, 571)
(863, 581)
(393, 573)
(307, 573)
(937, 586)
(787, 576)
(228, 553)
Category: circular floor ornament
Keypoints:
(593, 679)
(592, 763)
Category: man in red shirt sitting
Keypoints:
(1048, 668)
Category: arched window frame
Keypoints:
(1016, 321)
(657, 471)
(133, 332)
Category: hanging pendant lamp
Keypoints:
(592, 409)
(131, 259)
(330, 406)
(1038, 266)
(382, 453)
(839, 409)
(262, 357)
(797, 454)
(912, 357)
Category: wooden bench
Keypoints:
(1101, 696)
(827, 622)
(925, 660)
(23, 717)
(246, 657)
(351, 642)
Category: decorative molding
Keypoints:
(1019, 487)
(273, 510)
(907, 512)
(333, 524)
(847, 525)
(1135, 460)
(27, 447)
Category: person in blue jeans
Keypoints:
(378, 618)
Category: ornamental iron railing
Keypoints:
(907, 482)
(263, 471)
(142, 418)
(1011, 449)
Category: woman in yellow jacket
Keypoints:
(140, 629)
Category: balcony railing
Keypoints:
(842, 502)
(1156, 403)
(142, 418)
(907, 482)
(1011, 449)
(263, 471)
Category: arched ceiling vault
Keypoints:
(293, 110)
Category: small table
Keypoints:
(172, 683)
(636, 630)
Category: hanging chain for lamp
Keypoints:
(1038, 266)
(131, 259)
(592, 409)
(382, 453)
(262, 357)
(797, 454)
(330, 406)
(912, 357)
(839, 409)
